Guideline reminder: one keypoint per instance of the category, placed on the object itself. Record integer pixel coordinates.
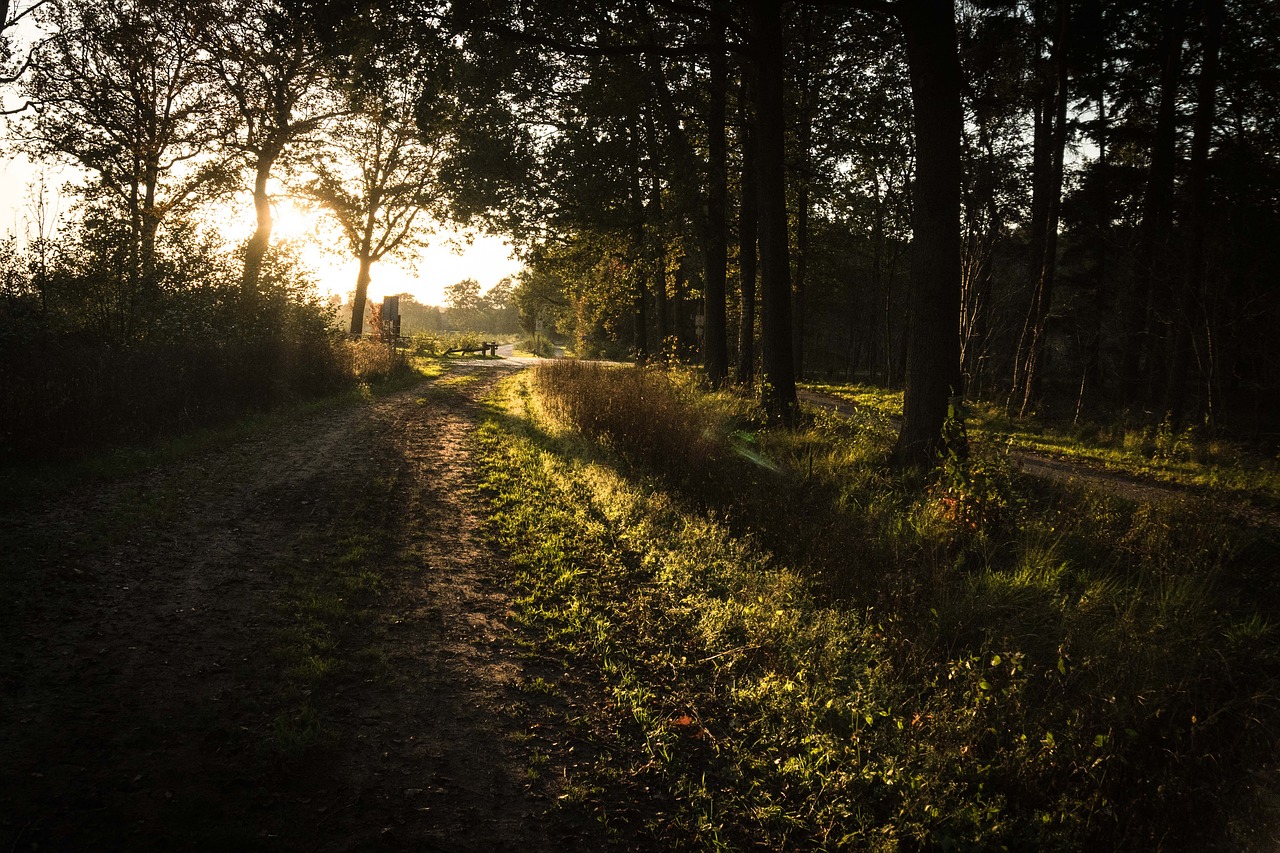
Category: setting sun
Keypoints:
(448, 257)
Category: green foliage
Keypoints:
(1046, 669)
(540, 346)
(1189, 456)
(88, 356)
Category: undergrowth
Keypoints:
(1188, 455)
(797, 650)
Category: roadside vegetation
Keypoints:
(1190, 456)
(83, 366)
(792, 648)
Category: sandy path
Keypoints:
(138, 693)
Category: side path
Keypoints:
(174, 675)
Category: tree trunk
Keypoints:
(661, 308)
(679, 311)
(640, 341)
(802, 256)
(1091, 375)
(256, 250)
(640, 347)
(933, 346)
(362, 295)
(747, 247)
(715, 332)
(1193, 277)
(1150, 264)
(804, 143)
(775, 265)
(1051, 134)
(657, 243)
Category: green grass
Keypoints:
(792, 649)
(1187, 457)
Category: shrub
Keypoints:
(541, 347)
(643, 413)
(372, 360)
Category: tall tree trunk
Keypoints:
(747, 230)
(1150, 264)
(640, 341)
(1091, 375)
(256, 250)
(715, 332)
(640, 346)
(802, 257)
(362, 294)
(657, 238)
(680, 288)
(933, 347)
(804, 140)
(775, 265)
(662, 309)
(1051, 133)
(1193, 276)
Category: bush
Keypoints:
(542, 347)
(85, 361)
(372, 360)
(642, 413)
(64, 393)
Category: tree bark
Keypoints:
(775, 264)
(933, 347)
(1150, 266)
(657, 241)
(1193, 277)
(802, 256)
(256, 250)
(1050, 142)
(715, 332)
(804, 140)
(747, 231)
(640, 347)
(362, 295)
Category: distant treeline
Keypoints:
(466, 309)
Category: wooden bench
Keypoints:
(484, 348)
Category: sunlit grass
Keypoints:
(813, 654)
(1185, 457)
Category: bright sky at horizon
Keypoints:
(425, 273)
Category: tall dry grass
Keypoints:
(649, 416)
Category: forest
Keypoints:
(909, 483)
(1064, 208)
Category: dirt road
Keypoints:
(295, 642)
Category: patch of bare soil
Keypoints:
(141, 698)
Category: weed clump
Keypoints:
(648, 416)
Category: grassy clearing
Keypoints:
(1187, 457)
(795, 650)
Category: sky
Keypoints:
(423, 273)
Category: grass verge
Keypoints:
(1186, 457)
(793, 650)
